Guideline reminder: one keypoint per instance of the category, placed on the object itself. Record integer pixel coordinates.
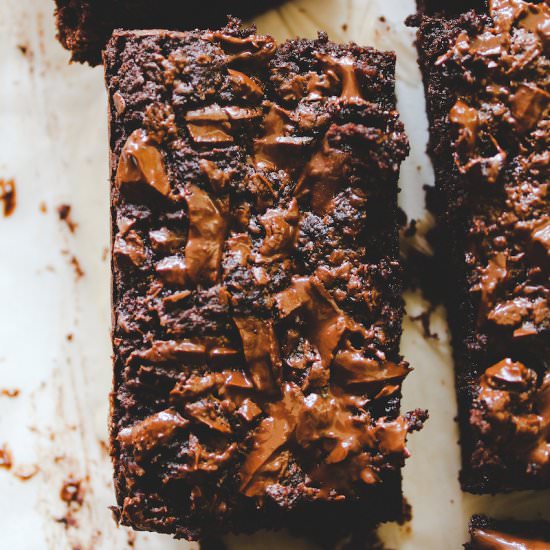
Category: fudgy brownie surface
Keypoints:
(490, 534)
(84, 26)
(486, 75)
(256, 283)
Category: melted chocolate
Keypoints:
(6, 459)
(327, 421)
(254, 49)
(323, 176)
(141, 162)
(261, 351)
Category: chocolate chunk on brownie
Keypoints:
(84, 26)
(489, 534)
(486, 75)
(256, 282)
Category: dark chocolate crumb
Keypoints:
(79, 272)
(425, 318)
(64, 212)
(8, 196)
(72, 492)
(26, 472)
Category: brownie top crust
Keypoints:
(257, 288)
(487, 75)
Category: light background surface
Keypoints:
(53, 142)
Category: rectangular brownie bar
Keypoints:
(84, 26)
(487, 87)
(487, 533)
(256, 282)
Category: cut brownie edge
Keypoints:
(256, 283)
(485, 205)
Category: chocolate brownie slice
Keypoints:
(490, 534)
(256, 282)
(84, 26)
(486, 75)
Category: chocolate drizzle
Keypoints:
(336, 423)
(207, 232)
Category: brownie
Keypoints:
(256, 282)
(486, 75)
(84, 26)
(490, 534)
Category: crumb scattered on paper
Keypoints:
(8, 196)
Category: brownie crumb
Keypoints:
(425, 319)
(72, 492)
(79, 272)
(64, 213)
(26, 472)
(12, 393)
(8, 196)
(6, 457)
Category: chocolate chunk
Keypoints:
(261, 351)
(166, 240)
(141, 162)
(155, 430)
(131, 246)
